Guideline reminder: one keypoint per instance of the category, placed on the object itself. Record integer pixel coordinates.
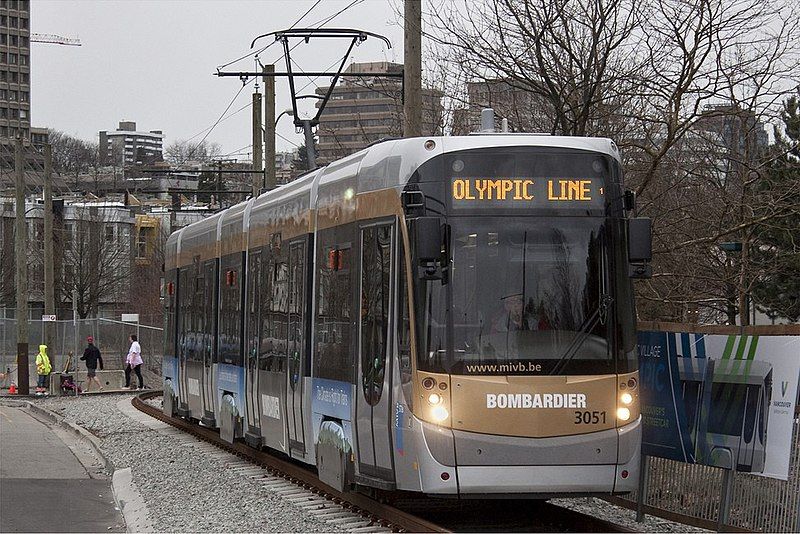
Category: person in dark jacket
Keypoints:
(92, 357)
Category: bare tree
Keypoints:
(96, 258)
(72, 156)
(573, 57)
(181, 152)
(683, 86)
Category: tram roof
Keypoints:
(411, 153)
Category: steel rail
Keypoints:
(544, 516)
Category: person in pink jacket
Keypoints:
(134, 362)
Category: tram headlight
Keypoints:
(434, 399)
(623, 414)
(440, 413)
(626, 398)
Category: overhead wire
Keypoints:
(223, 117)
(317, 24)
(254, 52)
(257, 52)
(236, 152)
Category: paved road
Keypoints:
(44, 487)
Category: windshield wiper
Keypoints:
(600, 315)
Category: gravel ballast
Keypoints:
(623, 516)
(185, 490)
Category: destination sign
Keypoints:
(527, 192)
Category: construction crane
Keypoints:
(54, 39)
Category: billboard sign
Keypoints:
(707, 398)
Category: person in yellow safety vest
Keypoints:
(43, 369)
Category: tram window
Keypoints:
(297, 253)
(169, 315)
(375, 279)
(404, 326)
(253, 308)
(333, 357)
(751, 411)
(185, 312)
(265, 290)
(274, 308)
(230, 313)
(209, 310)
(522, 297)
(728, 401)
(198, 314)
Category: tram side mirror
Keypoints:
(640, 247)
(428, 236)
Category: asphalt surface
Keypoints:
(47, 484)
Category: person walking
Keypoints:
(134, 362)
(91, 355)
(43, 368)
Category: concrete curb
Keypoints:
(130, 502)
(128, 499)
(80, 432)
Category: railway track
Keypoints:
(393, 511)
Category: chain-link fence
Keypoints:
(110, 336)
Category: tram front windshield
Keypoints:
(528, 296)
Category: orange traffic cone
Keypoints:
(12, 390)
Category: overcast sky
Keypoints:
(154, 62)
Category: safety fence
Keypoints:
(110, 336)
(693, 493)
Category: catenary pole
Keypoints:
(412, 58)
(311, 154)
(20, 253)
(257, 145)
(75, 338)
(269, 127)
(49, 267)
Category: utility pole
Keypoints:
(257, 145)
(412, 59)
(20, 253)
(49, 262)
(219, 184)
(270, 180)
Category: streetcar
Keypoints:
(727, 410)
(446, 315)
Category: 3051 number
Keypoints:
(589, 418)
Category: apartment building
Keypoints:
(364, 110)
(128, 146)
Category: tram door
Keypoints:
(184, 335)
(373, 389)
(273, 361)
(210, 278)
(254, 279)
(296, 344)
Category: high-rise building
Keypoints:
(364, 110)
(128, 146)
(741, 128)
(15, 70)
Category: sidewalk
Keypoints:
(48, 482)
